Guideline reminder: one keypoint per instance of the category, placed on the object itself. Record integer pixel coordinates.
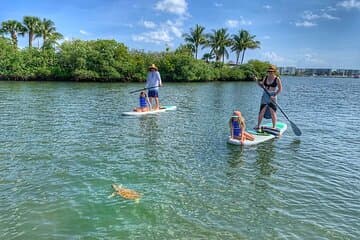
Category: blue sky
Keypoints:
(308, 33)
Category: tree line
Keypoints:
(109, 60)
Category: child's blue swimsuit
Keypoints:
(236, 128)
(143, 102)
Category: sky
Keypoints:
(302, 34)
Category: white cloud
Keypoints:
(306, 58)
(156, 37)
(308, 15)
(311, 60)
(348, 4)
(83, 32)
(218, 4)
(149, 24)
(273, 57)
(267, 7)
(165, 33)
(310, 19)
(232, 23)
(328, 16)
(244, 22)
(174, 27)
(178, 7)
(305, 24)
(266, 37)
(329, 9)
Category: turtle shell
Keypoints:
(128, 193)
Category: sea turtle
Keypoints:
(125, 193)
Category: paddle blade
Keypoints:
(295, 129)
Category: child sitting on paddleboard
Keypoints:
(144, 103)
(237, 128)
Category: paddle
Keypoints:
(142, 89)
(150, 107)
(295, 128)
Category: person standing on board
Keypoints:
(153, 82)
(272, 84)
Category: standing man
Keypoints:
(153, 82)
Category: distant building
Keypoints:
(314, 71)
(287, 70)
(325, 72)
(300, 71)
(346, 73)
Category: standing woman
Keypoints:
(272, 84)
(153, 81)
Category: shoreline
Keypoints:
(176, 81)
(320, 76)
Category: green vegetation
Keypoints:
(109, 60)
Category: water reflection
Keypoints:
(151, 133)
(235, 156)
(265, 154)
(148, 126)
(295, 145)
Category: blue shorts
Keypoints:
(153, 93)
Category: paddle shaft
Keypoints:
(267, 92)
(142, 89)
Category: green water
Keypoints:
(62, 145)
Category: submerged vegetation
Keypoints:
(109, 60)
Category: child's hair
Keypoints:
(241, 118)
(142, 93)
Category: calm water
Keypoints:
(62, 145)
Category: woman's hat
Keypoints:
(153, 67)
(271, 68)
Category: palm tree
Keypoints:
(243, 41)
(187, 48)
(196, 38)
(52, 40)
(207, 57)
(237, 45)
(48, 33)
(32, 25)
(218, 41)
(14, 28)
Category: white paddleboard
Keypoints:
(260, 136)
(162, 109)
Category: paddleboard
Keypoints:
(271, 130)
(162, 109)
(261, 136)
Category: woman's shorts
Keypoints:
(271, 105)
